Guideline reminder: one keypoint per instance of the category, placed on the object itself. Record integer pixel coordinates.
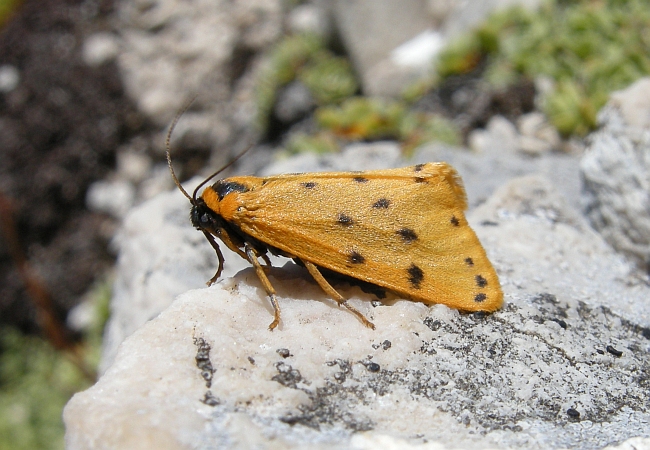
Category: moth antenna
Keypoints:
(192, 198)
(230, 163)
(168, 146)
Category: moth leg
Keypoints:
(234, 246)
(329, 290)
(216, 248)
(261, 274)
(267, 263)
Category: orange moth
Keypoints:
(400, 229)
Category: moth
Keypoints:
(400, 229)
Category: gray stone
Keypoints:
(113, 197)
(100, 48)
(172, 51)
(133, 166)
(294, 102)
(9, 78)
(632, 104)
(537, 135)
(532, 136)
(394, 44)
(371, 29)
(485, 171)
(388, 78)
(562, 365)
(499, 133)
(440, 10)
(358, 156)
(160, 256)
(314, 18)
(616, 173)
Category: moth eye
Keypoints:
(205, 219)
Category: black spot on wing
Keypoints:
(454, 221)
(355, 257)
(360, 179)
(415, 276)
(225, 187)
(345, 220)
(420, 180)
(480, 281)
(382, 203)
(469, 261)
(418, 167)
(308, 185)
(407, 235)
(479, 298)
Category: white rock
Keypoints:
(114, 197)
(637, 443)
(387, 79)
(100, 48)
(173, 51)
(419, 51)
(394, 44)
(441, 9)
(536, 134)
(9, 78)
(499, 133)
(532, 146)
(616, 173)
(370, 156)
(530, 124)
(310, 18)
(371, 30)
(160, 256)
(633, 104)
(484, 172)
(516, 379)
(357, 156)
(82, 316)
(133, 166)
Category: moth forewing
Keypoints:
(401, 229)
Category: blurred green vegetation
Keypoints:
(7, 7)
(363, 118)
(36, 381)
(304, 57)
(371, 119)
(340, 115)
(586, 48)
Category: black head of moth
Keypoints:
(215, 213)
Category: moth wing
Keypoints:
(402, 229)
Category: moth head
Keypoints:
(203, 218)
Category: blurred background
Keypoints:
(89, 87)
